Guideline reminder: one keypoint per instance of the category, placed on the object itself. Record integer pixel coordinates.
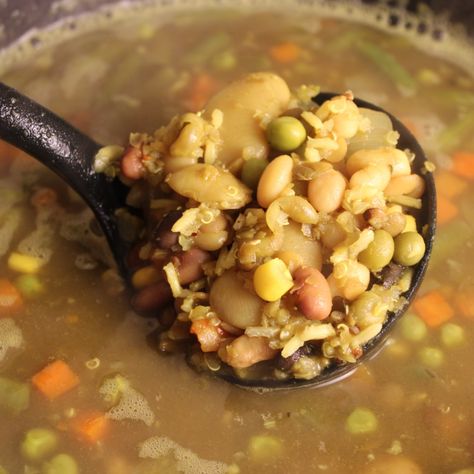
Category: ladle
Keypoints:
(69, 153)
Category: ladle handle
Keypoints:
(51, 140)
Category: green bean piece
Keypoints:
(379, 252)
(207, 48)
(452, 335)
(263, 448)
(38, 443)
(388, 64)
(60, 464)
(409, 248)
(252, 170)
(224, 61)
(14, 396)
(285, 133)
(431, 357)
(30, 286)
(361, 421)
(413, 327)
(451, 137)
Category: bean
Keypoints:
(211, 241)
(325, 191)
(163, 235)
(393, 157)
(189, 265)
(335, 156)
(263, 93)
(208, 184)
(146, 276)
(379, 252)
(412, 185)
(188, 139)
(376, 176)
(308, 250)
(176, 163)
(332, 233)
(409, 248)
(245, 351)
(285, 133)
(296, 207)
(230, 292)
(313, 296)
(349, 279)
(152, 297)
(275, 178)
(218, 224)
(131, 164)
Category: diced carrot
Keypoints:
(55, 379)
(91, 427)
(285, 53)
(464, 302)
(11, 301)
(463, 164)
(202, 88)
(433, 308)
(446, 210)
(449, 185)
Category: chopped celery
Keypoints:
(207, 48)
(361, 421)
(452, 335)
(451, 137)
(14, 396)
(389, 65)
(264, 448)
(38, 443)
(343, 41)
(449, 240)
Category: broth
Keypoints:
(412, 405)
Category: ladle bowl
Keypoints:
(70, 154)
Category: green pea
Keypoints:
(409, 248)
(14, 396)
(452, 335)
(224, 61)
(263, 448)
(38, 443)
(285, 133)
(413, 328)
(60, 464)
(361, 421)
(29, 285)
(252, 170)
(432, 357)
(368, 309)
(379, 252)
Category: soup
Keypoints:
(83, 387)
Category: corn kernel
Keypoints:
(410, 224)
(24, 263)
(145, 276)
(272, 280)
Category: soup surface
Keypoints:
(82, 385)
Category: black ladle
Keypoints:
(69, 153)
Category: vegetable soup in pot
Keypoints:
(89, 386)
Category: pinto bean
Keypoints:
(131, 165)
(245, 351)
(162, 233)
(313, 296)
(189, 265)
(152, 298)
